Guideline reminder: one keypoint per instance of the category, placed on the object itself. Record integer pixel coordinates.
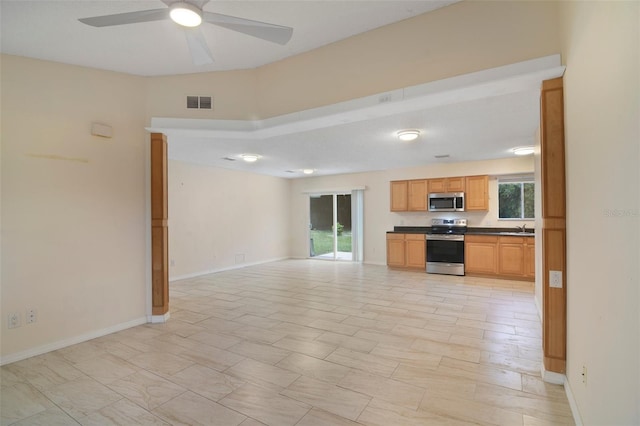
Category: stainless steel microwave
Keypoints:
(446, 202)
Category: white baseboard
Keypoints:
(538, 307)
(159, 319)
(227, 268)
(19, 356)
(552, 377)
(572, 403)
(561, 379)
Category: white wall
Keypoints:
(377, 217)
(73, 205)
(221, 219)
(602, 86)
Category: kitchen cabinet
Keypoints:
(409, 195)
(529, 258)
(477, 193)
(451, 184)
(417, 195)
(399, 196)
(481, 254)
(510, 257)
(396, 253)
(406, 251)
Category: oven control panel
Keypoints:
(449, 222)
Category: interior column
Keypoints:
(554, 291)
(159, 228)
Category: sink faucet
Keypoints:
(522, 228)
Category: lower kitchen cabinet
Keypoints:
(529, 258)
(481, 254)
(500, 256)
(511, 256)
(406, 251)
(396, 253)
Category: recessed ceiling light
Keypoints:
(523, 150)
(250, 158)
(185, 14)
(308, 171)
(408, 135)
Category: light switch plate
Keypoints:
(555, 279)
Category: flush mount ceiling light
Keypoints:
(523, 150)
(185, 14)
(308, 171)
(250, 158)
(408, 135)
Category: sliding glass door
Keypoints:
(330, 234)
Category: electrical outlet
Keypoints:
(31, 317)
(14, 320)
(584, 375)
(555, 279)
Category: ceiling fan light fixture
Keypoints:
(250, 158)
(523, 150)
(185, 14)
(408, 135)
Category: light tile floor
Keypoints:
(304, 342)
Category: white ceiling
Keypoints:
(473, 117)
(50, 30)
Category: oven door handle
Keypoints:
(438, 237)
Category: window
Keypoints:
(516, 198)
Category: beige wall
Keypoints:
(377, 217)
(462, 38)
(221, 219)
(600, 49)
(465, 37)
(234, 95)
(73, 209)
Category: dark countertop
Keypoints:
(471, 231)
(500, 231)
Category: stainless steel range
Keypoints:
(445, 246)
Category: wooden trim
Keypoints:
(555, 364)
(553, 182)
(159, 228)
(552, 149)
(554, 223)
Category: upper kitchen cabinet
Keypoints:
(451, 184)
(418, 195)
(409, 195)
(399, 196)
(477, 193)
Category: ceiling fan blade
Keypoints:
(200, 53)
(127, 18)
(270, 32)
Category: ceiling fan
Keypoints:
(189, 15)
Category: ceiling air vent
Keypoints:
(205, 102)
(229, 158)
(199, 102)
(442, 156)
